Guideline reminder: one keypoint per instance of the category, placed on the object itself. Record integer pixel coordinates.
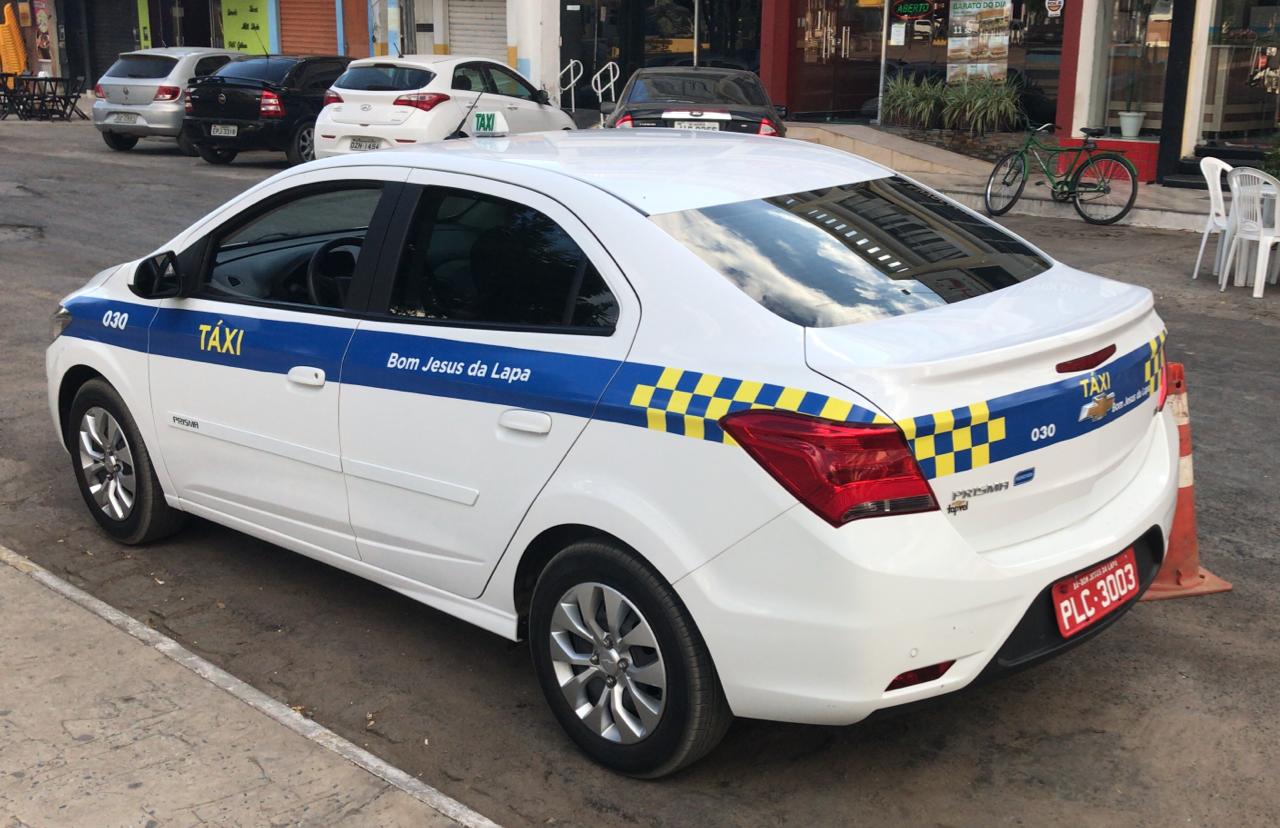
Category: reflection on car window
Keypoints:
(698, 87)
(854, 253)
(142, 66)
(384, 78)
(268, 259)
(484, 260)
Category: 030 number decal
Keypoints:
(1043, 432)
(115, 319)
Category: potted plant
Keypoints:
(1131, 118)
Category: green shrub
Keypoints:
(978, 106)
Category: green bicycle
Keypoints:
(1102, 185)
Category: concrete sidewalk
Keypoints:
(98, 727)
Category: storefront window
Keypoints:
(1242, 75)
(1133, 47)
(921, 31)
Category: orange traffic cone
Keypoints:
(1181, 574)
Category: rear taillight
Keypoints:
(920, 675)
(97, 91)
(270, 105)
(1162, 392)
(331, 97)
(1087, 362)
(426, 101)
(167, 93)
(767, 128)
(842, 471)
(186, 101)
(624, 123)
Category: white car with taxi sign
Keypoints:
(384, 102)
(723, 425)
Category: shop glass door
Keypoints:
(835, 62)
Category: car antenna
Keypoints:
(457, 131)
(266, 53)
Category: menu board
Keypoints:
(978, 43)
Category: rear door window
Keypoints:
(470, 77)
(854, 253)
(142, 66)
(384, 78)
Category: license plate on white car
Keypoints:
(1085, 598)
(124, 117)
(711, 125)
(359, 144)
(223, 130)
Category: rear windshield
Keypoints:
(854, 253)
(384, 78)
(142, 66)
(699, 88)
(271, 70)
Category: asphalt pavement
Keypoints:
(1169, 717)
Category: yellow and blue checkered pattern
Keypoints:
(691, 403)
(1155, 363)
(957, 440)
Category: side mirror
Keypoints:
(607, 108)
(160, 277)
(782, 110)
(542, 97)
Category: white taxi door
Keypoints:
(514, 98)
(244, 376)
(503, 320)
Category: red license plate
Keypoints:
(1087, 597)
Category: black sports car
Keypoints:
(686, 97)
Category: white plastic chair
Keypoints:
(1252, 222)
(1218, 222)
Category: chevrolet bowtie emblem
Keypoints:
(1100, 407)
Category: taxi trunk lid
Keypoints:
(369, 108)
(1013, 447)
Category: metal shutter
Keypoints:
(112, 26)
(308, 27)
(478, 28)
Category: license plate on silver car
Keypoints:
(711, 125)
(358, 144)
(124, 117)
(223, 130)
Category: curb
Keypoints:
(1138, 217)
(255, 698)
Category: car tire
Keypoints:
(216, 155)
(113, 468)
(186, 147)
(119, 141)
(302, 146)
(592, 662)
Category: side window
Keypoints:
(302, 250)
(506, 82)
(209, 65)
(317, 75)
(483, 260)
(469, 77)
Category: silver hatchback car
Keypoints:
(141, 94)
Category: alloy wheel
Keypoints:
(307, 144)
(608, 663)
(106, 461)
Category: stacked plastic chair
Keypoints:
(13, 54)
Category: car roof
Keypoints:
(180, 51)
(692, 70)
(653, 170)
(423, 60)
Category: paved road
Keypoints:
(1171, 716)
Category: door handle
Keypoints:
(306, 375)
(533, 422)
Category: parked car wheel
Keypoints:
(113, 468)
(302, 147)
(216, 155)
(120, 141)
(186, 147)
(621, 663)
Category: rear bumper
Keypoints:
(334, 138)
(807, 623)
(164, 118)
(250, 135)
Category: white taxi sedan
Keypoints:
(723, 425)
(381, 103)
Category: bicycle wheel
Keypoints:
(1105, 188)
(1004, 187)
